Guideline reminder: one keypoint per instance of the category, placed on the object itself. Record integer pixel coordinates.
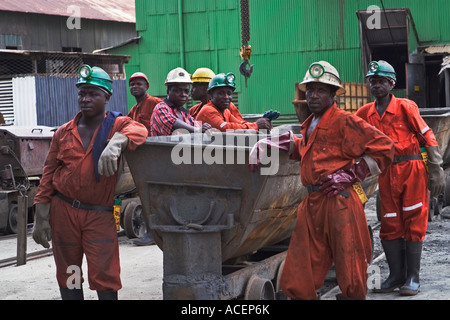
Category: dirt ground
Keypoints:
(141, 269)
(435, 263)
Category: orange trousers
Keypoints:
(93, 233)
(328, 230)
(404, 201)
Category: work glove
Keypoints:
(436, 176)
(283, 142)
(42, 232)
(107, 164)
(335, 183)
(271, 114)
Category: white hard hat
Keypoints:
(323, 72)
(177, 76)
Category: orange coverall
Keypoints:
(142, 112)
(69, 169)
(332, 229)
(223, 122)
(233, 109)
(402, 186)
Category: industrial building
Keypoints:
(287, 36)
(42, 45)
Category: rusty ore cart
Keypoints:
(23, 151)
(438, 119)
(221, 227)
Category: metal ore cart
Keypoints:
(221, 227)
(23, 150)
(438, 119)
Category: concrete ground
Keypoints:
(142, 270)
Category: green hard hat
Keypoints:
(94, 76)
(381, 68)
(222, 80)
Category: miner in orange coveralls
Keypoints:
(199, 91)
(337, 150)
(145, 103)
(403, 185)
(217, 113)
(74, 203)
(142, 112)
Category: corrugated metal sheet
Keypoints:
(24, 101)
(57, 99)
(6, 100)
(113, 10)
(286, 37)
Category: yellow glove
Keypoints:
(42, 232)
(107, 164)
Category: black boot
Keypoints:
(71, 294)
(395, 256)
(413, 256)
(107, 295)
(147, 239)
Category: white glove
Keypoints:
(107, 164)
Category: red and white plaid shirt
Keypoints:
(164, 116)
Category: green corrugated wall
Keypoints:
(286, 36)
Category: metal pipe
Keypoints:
(22, 209)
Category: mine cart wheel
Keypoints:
(259, 289)
(279, 273)
(12, 219)
(279, 295)
(133, 220)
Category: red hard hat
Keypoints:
(138, 75)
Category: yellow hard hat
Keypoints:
(203, 75)
(178, 76)
(323, 72)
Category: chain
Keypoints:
(245, 22)
(246, 50)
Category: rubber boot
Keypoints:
(413, 256)
(107, 295)
(71, 294)
(147, 239)
(395, 256)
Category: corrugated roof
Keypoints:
(113, 10)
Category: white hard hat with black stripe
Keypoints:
(322, 72)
